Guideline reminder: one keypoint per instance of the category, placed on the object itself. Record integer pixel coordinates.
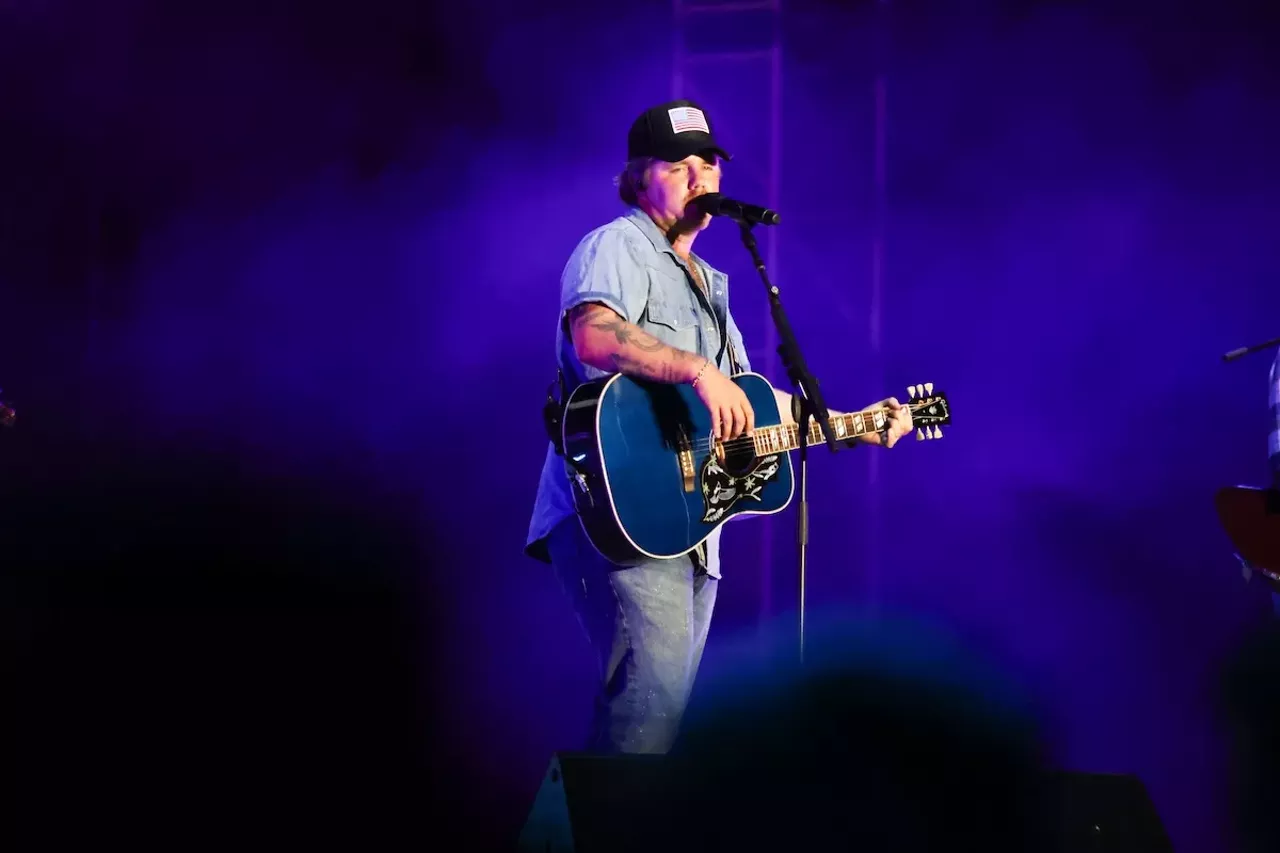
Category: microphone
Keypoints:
(718, 205)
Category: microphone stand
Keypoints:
(811, 406)
(1243, 351)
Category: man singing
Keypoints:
(635, 299)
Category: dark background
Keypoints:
(277, 292)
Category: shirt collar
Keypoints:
(659, 240)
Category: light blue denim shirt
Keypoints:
(629, 265)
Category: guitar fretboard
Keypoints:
(778, 439)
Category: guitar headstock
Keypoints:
(930, 410)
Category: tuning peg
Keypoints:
(919, 435)
(928, 387)
(911, 391)
(937, 432)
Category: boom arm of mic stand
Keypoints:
(806, 383)
(1243, 351)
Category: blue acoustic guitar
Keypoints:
(649, 479)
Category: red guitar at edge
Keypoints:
(1251, 517)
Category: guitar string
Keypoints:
(732, 444)
(704, 444)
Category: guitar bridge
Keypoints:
(685, 457)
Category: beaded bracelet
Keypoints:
(696, 379)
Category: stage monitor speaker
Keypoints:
(590, 804)
(1102, 812)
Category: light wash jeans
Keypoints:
(647, 625)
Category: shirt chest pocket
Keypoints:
(670, 314)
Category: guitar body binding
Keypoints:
(632, 446)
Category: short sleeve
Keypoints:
(603, 268)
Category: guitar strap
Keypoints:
(553, 412)
(734, 367)
(696, 280)
(702, 292)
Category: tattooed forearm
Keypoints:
(660, 371)
(605, 340)
(625, 333)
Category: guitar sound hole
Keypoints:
(739, 456)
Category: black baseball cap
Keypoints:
(673, 131)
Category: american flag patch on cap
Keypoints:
(687, 118)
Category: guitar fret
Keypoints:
(785, 437)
